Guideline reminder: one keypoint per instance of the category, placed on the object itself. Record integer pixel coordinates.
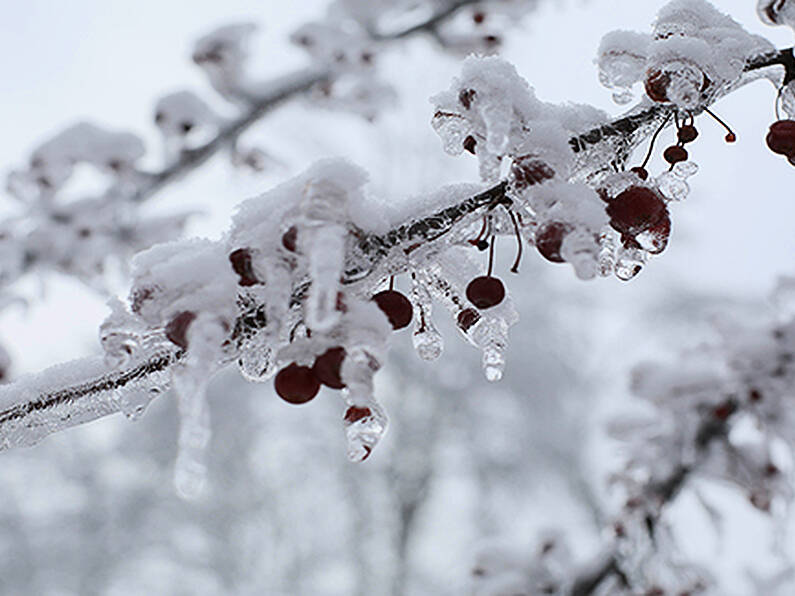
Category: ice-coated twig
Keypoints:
(48, 403)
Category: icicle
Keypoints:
(205, 336)
(427, 340)
(365, 420)
(325, 247)
(579, 249)
(452, 130)
(607, 251)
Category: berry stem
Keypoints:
(653, 139)
(515, 266)
(491, 256)
(730, 132)
(391, 282)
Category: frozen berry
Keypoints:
(528, 170)
(241, 264)
(355, 413)
(290, 238)
(478, 17)
(485, 291)
(730, 137)
(641, 172)
(467, 318)
(636, 210)
(469, 144)
(687, 134)
(781, 138)
(177, 328)
(656, 85)
(296, 384)
(327, 367)
(549, 239)
(675, 154)
(396, 307)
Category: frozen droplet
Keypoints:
(493, 362)
(579, 248)
(623, 96)
(672, 186)
(685, 169)
(452, 130)
(257, 362)
(428, 342)
(365, 425)
(629, 263)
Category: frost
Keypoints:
(621, 58)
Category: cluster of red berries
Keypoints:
(781, 139)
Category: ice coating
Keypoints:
(621, 59)
(777, 12)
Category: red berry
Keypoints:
(177, 328)
(528, 170)
(642, 173)
(687, 134)
(241, 264)
(354, 414)
(636, 210)
(485, 291)
(327, 367)
(657, 85)
(469, 144)
(296, 384)
(730, 137)
(478, 17)
(675, 154)
(467, 318)
(396, 307)
(290, 238)
(549, 239)
(781, 138)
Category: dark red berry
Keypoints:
(478, 17)
(485, 291)
(675, 154)
(730, 137)
(491, 40)
(687, 134)
(636, 210)
(549, 238)
(781, 138)
(328, 366)
(296, 384)
(467, 318)
(755, 395)
(177, 328)
(355, 413)
(723, 411)
(466, 96)
(241, 264)
(290, 238)
(396, 307)
(642, 173)
(656, 85)
(469, 144)
(528, 170)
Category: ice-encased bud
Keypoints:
(365, 425)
